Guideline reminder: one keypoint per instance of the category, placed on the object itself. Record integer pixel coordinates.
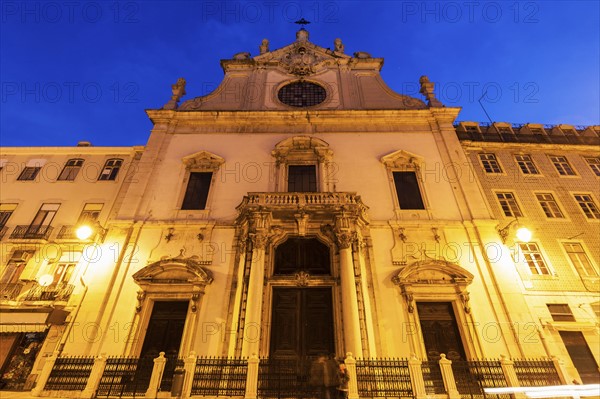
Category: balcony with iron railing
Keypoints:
(59, 292)
(31, 232)
(10, 291)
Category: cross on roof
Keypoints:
(302, 22)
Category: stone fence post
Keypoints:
(95, 376)
(157, 372)
(559, 365)
(352, 383)
(448, 377)
(508, 368)
(189, 365)
(45, 374)
(416, 377)
(252, 377)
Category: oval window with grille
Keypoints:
(302, 94)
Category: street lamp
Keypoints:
(85, 231)
(523, 234)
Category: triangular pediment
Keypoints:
(174, 271)
(402, 158)
(203, 160)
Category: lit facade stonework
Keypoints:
(303, 208)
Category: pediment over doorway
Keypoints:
(429, 272)
(176, 271)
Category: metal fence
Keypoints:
(125, 376)
(472, 377)
(70, 374)
(383, 377)
(286, 377)
(220, 377)
(432, 376)
(536, 372)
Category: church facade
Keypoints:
(304, 208)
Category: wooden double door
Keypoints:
(301, 322)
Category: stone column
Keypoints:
(352, 339)
(95, 376)
(252, 378)
(44, 374)
(156, 377)
(252, 322)
(448, 377)
(416, 377)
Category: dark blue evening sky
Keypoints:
(87, 70)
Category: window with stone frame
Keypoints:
(560, 312)
(200, 168)
(303, 164)
(302, 178)
(526, 164)
(407, 190)
(490, 163)
(71, 169)
(29, 173)
(594, 163)
(404, 174)
(90, 214)
(580, 259)
(6, 211)
(533, 258)
(562, 165)
(10, 283)
(588, 205)
(549, 205)
(196, 192)
(509, 204)
(111, 169)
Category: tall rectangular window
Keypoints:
(90, 213)
(32, 168)
(509, 205)
(594, 163)
(533, 257)
(302, 178)
(45, 215)
(71, 169)
(111, 169)
(562, 165)
(588, 206)
(29, 173)
(407, 189)
(6, 211)
(196, 192)
(580, 259)
(549, 205)
(526, 164)
(490, 163)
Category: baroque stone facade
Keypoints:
(304, 207)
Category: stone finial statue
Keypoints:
(178, 90)
(302, 35)
(338, 46)
(427, 91)
(264, 46)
